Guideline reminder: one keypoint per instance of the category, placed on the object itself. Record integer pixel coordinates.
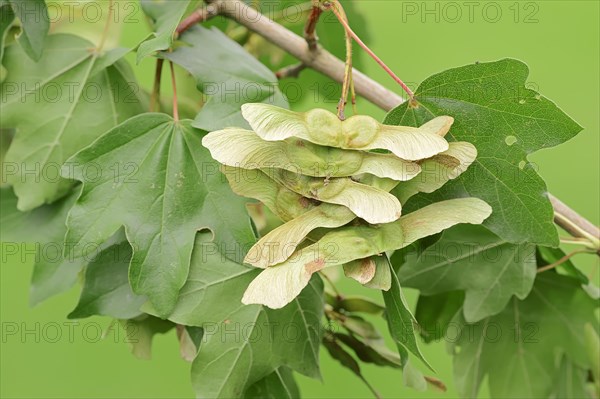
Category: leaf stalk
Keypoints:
(561, 260)
(311, 24)
(349, 31)
(174, 84)
(106, 26)
(155, 96)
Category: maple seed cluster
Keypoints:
(340, 201)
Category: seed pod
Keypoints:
(355, 133)
(382, 280)
(438, 170)
(279, 244)
(361, 270)
(373, 272)
(302, 157)
(278, 285)
(281, 201)
(381, 183)
(317, 174)
(369, 203)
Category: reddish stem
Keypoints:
(561, 260)
(371, 53)
(311, 25)
(199, 15)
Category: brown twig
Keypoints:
(572, 222)
(322, 61)
(290, 71)
(329, 65)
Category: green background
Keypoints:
(560, 43)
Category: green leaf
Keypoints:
(7, 17)
(140, 332)
(280, 384)
(371, 350)
(473, 259)
(358, 304)
(77, 96)
(571, 381)
(592, 344)
(236, 79)
(359, 326)
(413, 377)
(419, 246)
(434, 313)
(506, 122)
(243, 344)
(18, 226)
(106, 289)
(165, 16)
(35, 24)
(337, 352)
(516, 348)
(6, 137)
(21, 233)
(401, 321)
(163, 187)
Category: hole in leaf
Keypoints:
(510, 140)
